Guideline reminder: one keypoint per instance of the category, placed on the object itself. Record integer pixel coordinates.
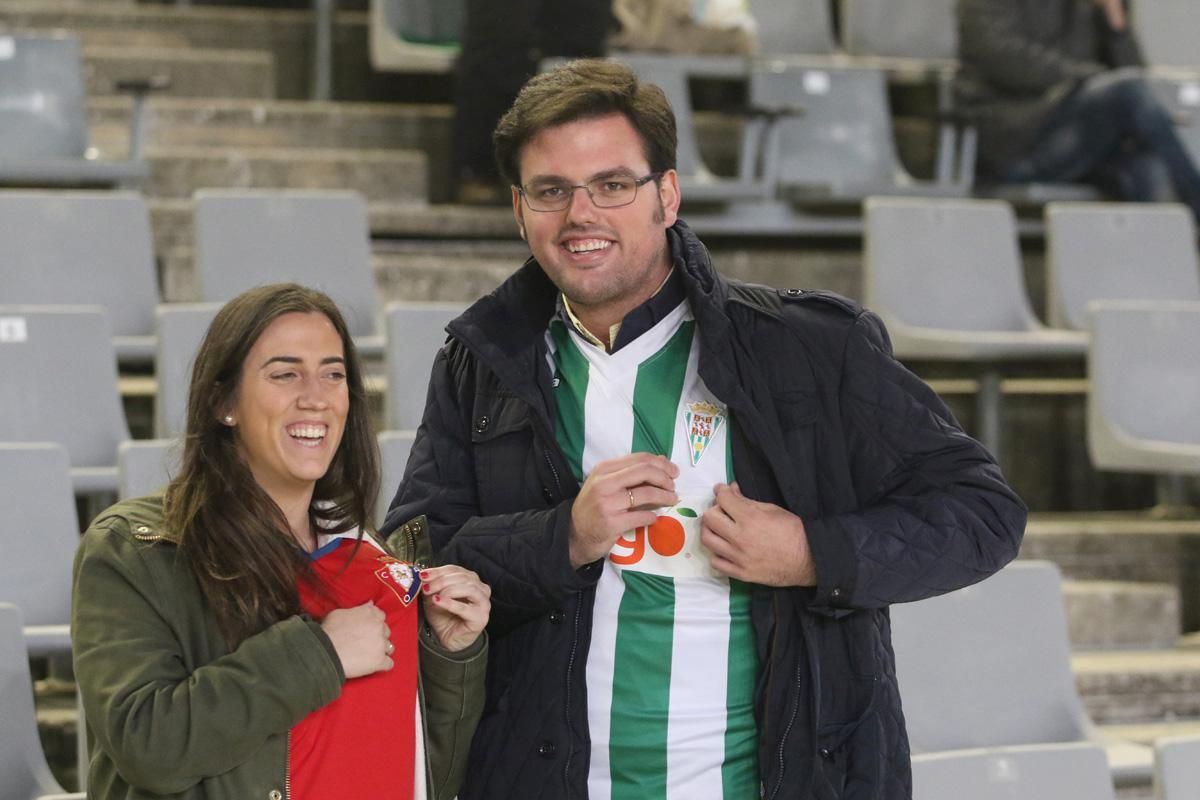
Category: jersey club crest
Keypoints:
(701, 421)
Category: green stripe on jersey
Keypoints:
(656, 394)
(739, 773)
(642, 688)
(573, 374)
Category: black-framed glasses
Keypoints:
(610, 191)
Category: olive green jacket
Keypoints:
(172, 713)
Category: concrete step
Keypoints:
(1122, 547)
(286, 33)
(1122, 615)
(1143, 686)
(380, 175)
(211, 122)
(193, 72)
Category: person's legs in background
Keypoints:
(1102, 130)
(502, 44)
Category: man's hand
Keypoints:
(756, 542)
(618, 496)
(1114, 12)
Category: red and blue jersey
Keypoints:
(364, 743)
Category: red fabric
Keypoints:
(363, 744)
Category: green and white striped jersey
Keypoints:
(671, 665)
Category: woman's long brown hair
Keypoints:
(233, 536)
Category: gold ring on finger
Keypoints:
(631, 503)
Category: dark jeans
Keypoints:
(502, 43)
(1114, 132)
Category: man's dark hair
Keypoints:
(586, 89)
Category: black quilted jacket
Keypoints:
(898, 502)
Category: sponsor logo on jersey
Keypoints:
(670, 546)
(701, 421)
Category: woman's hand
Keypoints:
(360, 635)
(457, 605)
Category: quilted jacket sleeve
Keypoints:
(992, 39)
(522, 556)
(935, 513)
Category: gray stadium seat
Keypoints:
(83, 247)
(697, 182)
(840, 148)
(415, 35)
(1033, 772)
(1145, 386)
(146, 465)
(915, 29)
(793, 27)
(181, 328)
(41, 533)
(946, 277)
(415, 333)
(1117, 251)
(22, 760)
(989, 666)
(43, 117)
(65, 387)
(1177, 768)
(394, 447)
(1167, 31)
(320, 239)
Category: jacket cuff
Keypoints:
(834, 559)
(429, 641)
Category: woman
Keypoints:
(237, 636)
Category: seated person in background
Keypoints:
(1053, 89)
(240, 635)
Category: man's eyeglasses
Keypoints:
(612, 191)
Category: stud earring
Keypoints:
(228, 419)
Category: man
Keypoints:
(1054, 89)
(693, 499)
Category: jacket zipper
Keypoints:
(287, 767)
(567, 700)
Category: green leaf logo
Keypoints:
(685, 512)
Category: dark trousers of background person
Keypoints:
(502, 43)
(1113, 131)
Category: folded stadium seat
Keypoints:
(41, 533)
(22, 760)
(795, 27)
(181, 328)
(415, 35)
(990, 666)
(43, 118)
(83, 247)
(922, 30)
(415, 333)
(146, 465)
(320, 239)
(1030, 772)
(1117, 251)
(697, 182)
(839, 148)
(1177, 768)
(63, 388)
(946, 277)
(394, 447)
(1166, 30)
(1145, 390)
